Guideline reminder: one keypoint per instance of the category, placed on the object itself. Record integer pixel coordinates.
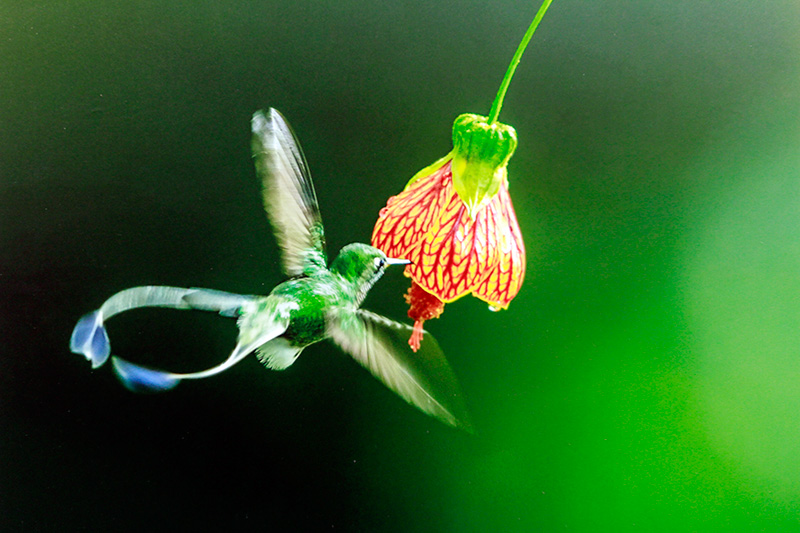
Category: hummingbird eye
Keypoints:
(380, 262)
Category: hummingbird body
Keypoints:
(316, 302)
(313, 297)
(313, 300)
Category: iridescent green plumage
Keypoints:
(316, 303)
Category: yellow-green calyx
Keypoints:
(480, 155)
(481, 145)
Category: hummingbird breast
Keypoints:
(314, 298)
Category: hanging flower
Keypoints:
(454, 219)
(455, 222)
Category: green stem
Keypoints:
(501, 93)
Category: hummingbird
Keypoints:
(317, 302)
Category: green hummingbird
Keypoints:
(316, 302)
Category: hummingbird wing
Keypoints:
(424, 379)
(288, 194)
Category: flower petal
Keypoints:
(404, 222)
(453, 253)
(505, 279)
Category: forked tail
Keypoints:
(90, 338)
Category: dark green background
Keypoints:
(647, 377)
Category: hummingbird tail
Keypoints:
(140, 379)
(225, 303)
(90, 338)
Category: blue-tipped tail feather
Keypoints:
(90, 339)
(139, 379)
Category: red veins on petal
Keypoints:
(403, 223)
(451, 253)
(505, 279)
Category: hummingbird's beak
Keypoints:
(394, 261)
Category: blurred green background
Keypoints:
(647, 377)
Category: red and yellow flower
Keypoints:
(455, 222)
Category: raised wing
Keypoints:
(424, 379)
(288, 193)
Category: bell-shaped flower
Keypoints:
(454, 220)
(456, 224)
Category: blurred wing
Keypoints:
(424, 379)
(289, 197)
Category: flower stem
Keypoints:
(501, 93)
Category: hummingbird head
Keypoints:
(362, 265)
